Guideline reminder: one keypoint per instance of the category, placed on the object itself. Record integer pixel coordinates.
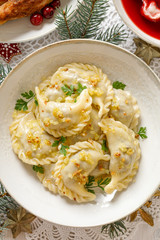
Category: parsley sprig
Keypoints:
(63, 147)
(21, 104)
(118, 85)
(38, 168)
(80, 88)
(142, 132)
(96, 184)
(69, 90)
(104, 146)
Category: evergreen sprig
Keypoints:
(115, 34)
(3, 226)
(114, 229)
(4, 72)
(85, 22)
(6, 201)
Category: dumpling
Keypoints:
(102, 168)
(124, 108)
(64, 119)
(72, 171)
(125, 154)
(47, 178)
(89, 76)
(90, 131)
(30, 142)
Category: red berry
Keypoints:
(55, 4)
(48, 12)
(36, 19)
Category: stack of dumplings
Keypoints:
(79, 111)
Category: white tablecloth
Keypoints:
(137, 230)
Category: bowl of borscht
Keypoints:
(142, 17)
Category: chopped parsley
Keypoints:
(36, 101)
(63, 147)
(89, 184)
(119, 85)
(142, 132)
(101, 183)
(69, 90)
(104, 146)
(38, 168)
(21, 104)
(80, 88)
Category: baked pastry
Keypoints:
(2, 1)
(13, 9)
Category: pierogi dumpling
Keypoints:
(124, 108)
(64, 119)
(29, 140)
(125, 154)
(72, 171)
(97, 83)
(47, 178)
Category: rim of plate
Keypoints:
(43, 34)
(124, 16)
(31, 38)
(89, 41)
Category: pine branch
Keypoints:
(6, 201)
(90, 14)
(113, 229)
(114, 35)
(3, 226)
(4, 72)
(64, 22)
(85, 22)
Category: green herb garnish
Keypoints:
(63, 147)
(103, 182)
(68, 90)
(28, 95)
(21, 104)
(80, 88)
(104, 146)
(96, 184)
(36, 101)
(38, 168)
(89, 184)
(142, 132)
(56, 143)
(119, 85)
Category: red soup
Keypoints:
(132, 8)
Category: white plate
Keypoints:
(19, 178)
(22, 30)
(120, 9)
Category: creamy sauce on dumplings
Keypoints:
(79, 133)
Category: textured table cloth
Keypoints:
(136, 230)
